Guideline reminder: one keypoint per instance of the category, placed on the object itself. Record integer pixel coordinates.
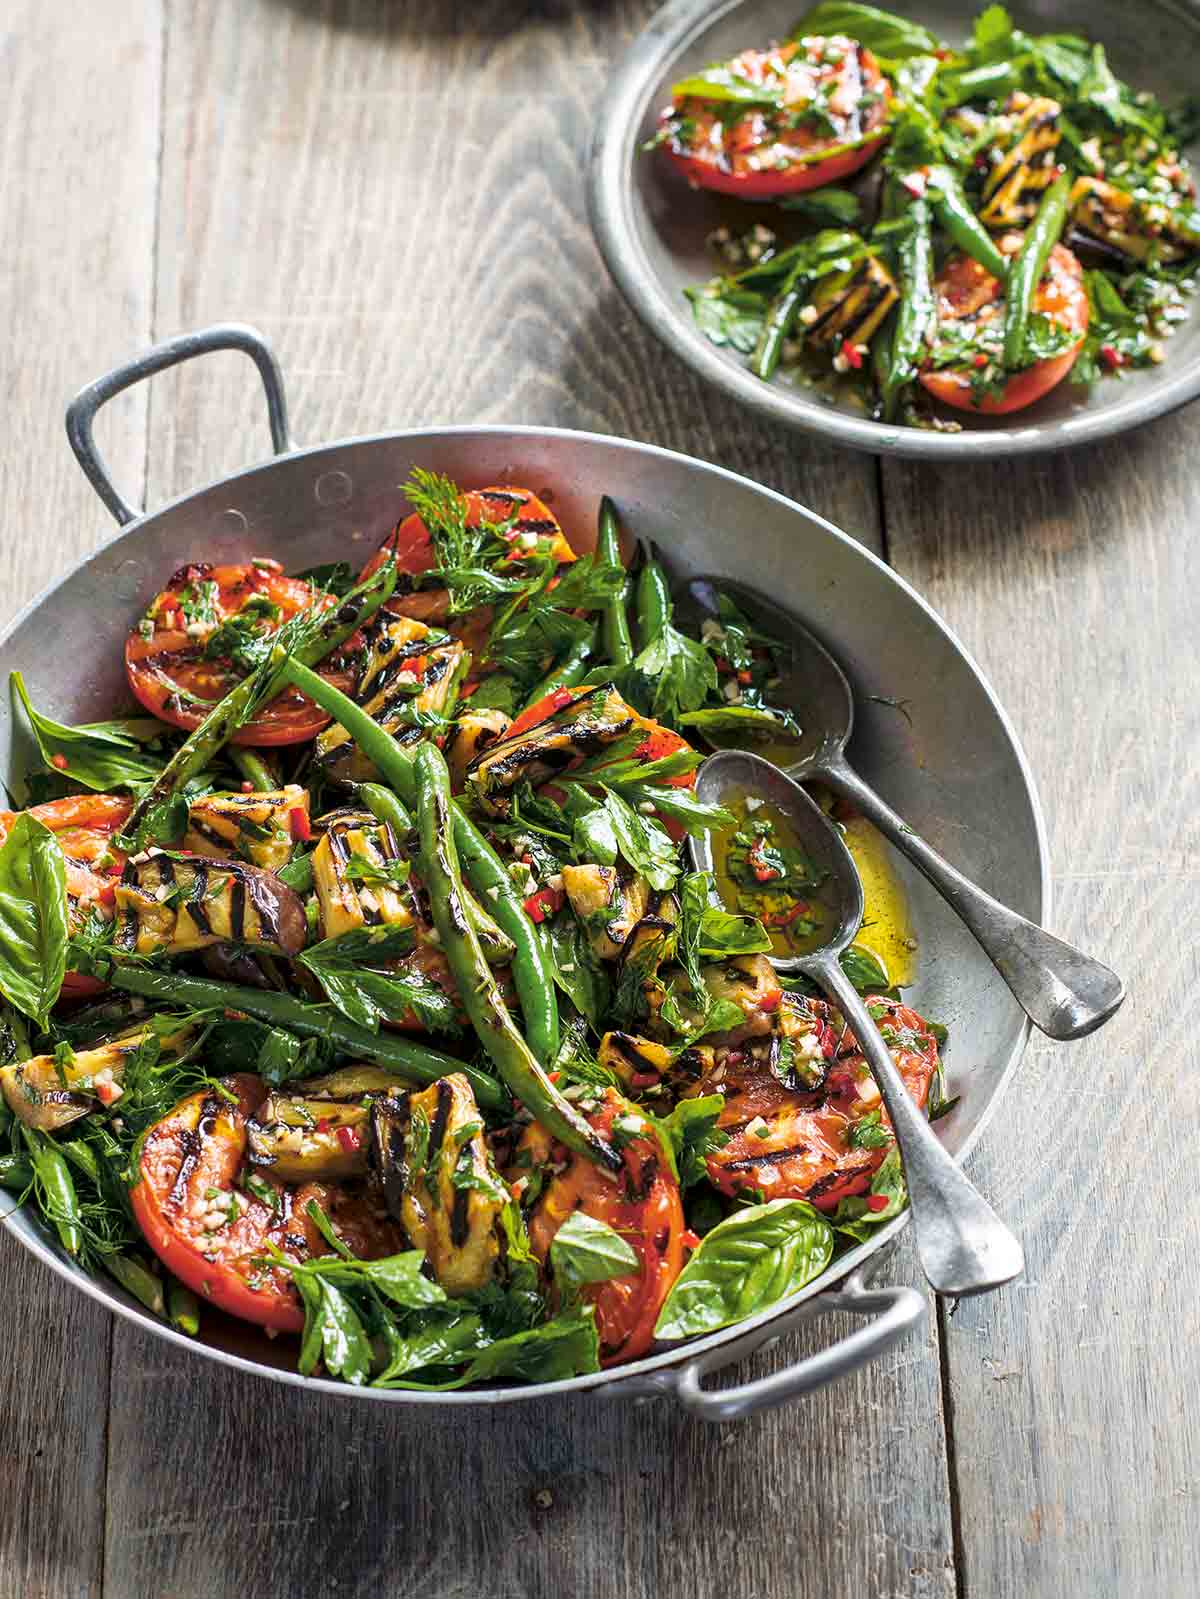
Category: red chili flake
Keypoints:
(467, 690)
(107, 895)
(771, 1001)
(299, 823)
(691, 1240)
(323, 1125)
(786, 917)
(349, 1138)
(643, 1079)
(981, 360)
(877, 1202)
(107, 1091)
(59, 761)
(544, 903)
(744, 677)
(853, 356)
(554, 1076)
(1111, 357)
(247, 787)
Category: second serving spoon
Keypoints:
(1063, 991)
(964, 1247)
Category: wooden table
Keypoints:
(393, 192)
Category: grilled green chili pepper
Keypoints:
(568, 672)
(618, 644)
(412, 1060)
(1028, 265)
(653, 603)
(779, 321)
(149, 814)
(139, 1282)
(476, 985)
(960, 222)
(55, 1188)
(915, 314)
(253, 768)
(183, 1307)
(15, 1174)
(531, 974)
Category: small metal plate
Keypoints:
(652, 228)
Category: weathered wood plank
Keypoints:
(1072, 580)
(394, 194)
(78, 148)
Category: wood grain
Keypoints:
(78, 147)
(354, 180)
(1072, 581)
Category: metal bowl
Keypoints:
(652, 228)
(956, 771)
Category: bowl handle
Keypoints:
(81, 412)
(896, 1310)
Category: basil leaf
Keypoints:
(367, 996)
(643, 842)
(497, 692)
(882, 32)
(690, 1133)
(723, 934)
(587, 1250)
(681, 805)
(574, 966)
(744, 719)
(594, 838)
(856, 1219)
(564, 1347)
(750, 1261)
(720, 84)
(33, 918)
(443, 1340)
(735, 319)
(864, 970)
(826, 205)
(398, 1277)
(96, 757)
(344, 1343)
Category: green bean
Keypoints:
(386, 808)
(779, 321)
(16, 1174)
(567, 672)
(183, 1307)
(915, 314)
(409, 1059)
(476, 985)
(253, 768)
(485, 872)
(139, 1282)
(615, 635)
(225, 718)
(960, 222)
(55, 1188)
(82, 1156)
(653, 603)
(1028, 265)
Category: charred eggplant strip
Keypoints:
(48, 1094)
(476, 985)
(347, 902)
(1113, 219)
(589, 721)
(175, 903)
(257, 827)
(1023, 167)
(310, 1138)
(608, 904)
(848, 308)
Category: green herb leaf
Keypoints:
(33, 918)
(96, 757)
(643, 842)
(750, 1261)
(882, 32)
(690, 1133)
(349, 969)
(587, 1250)
(839, 206)
(856, 1219)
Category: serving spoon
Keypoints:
(1063, 991)
(963, 1246)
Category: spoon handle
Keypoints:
(1063, 991)
(964, 1247)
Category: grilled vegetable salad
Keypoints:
(1031, 218)
(361, 990)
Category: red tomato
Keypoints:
(805, 1151)
(967, 291)
(171, 677)
(645, 1207)
(188, 1167)
(769, 151)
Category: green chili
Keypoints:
(916, 311)
(618, 644)
(961, 223)
(16, 1174)
(567, 672)
(253, 768)
(779, 321)
(405, 1056)
(138, 1281)
(183, 1308)
(1028, 265)
(55, 1188)
(653, 603)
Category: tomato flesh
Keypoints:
(966, 291)
(770, 151)
(171, 676)
(188, 1169)
(805, 1151)
(644, 1206)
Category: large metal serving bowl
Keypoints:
(956, 773)
(652, 229)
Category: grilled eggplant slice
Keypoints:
(348, 902)
(49, 1095)
(307, 1139)
(473, 733)
(438, 1180)
(750, 981)
(1023, 165)
(638, 1062)
(409, 666)
(849, 307)
(255, 827)
(609, 905)
(1114, 220)
(589, 721)
(177, 903)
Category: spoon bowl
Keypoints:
(964, 1247)
(1063, 991)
